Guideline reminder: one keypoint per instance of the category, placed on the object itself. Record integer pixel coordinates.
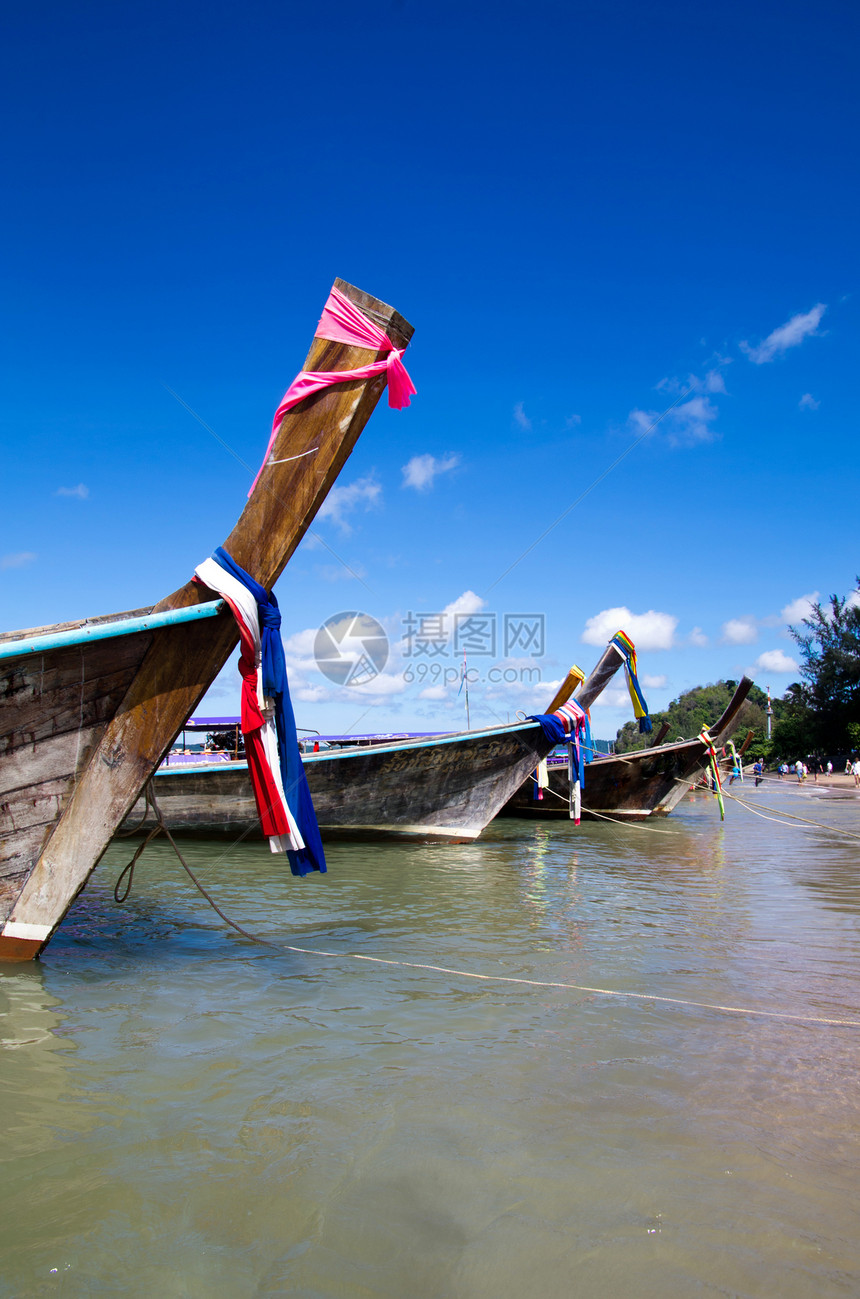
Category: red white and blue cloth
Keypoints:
(570, 724)
(274, 762)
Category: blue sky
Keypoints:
(585, 210)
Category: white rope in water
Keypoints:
(635, 825)
(650, 829)
(818, 825)
(577, 987)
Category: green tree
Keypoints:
(696, 708)
(824, 707)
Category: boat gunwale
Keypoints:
(91, 632)
(367, 750)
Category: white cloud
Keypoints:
(433, 692)
(698, 638)
(81, 491)
(421, 470)
(648, 631)
(612, 697)
(799, 609)
(468, 602)
(653, 683)
(740, 631)
(520, 417)
(310, 694)
(343, 500)
(792, 333)
(573, 421)
(19, 560)
(853, 601)
(380, 686)
(775, 661)
(712, 382)
(808, 402)
(685, 425)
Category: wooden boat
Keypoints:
(433, 787)
(438, 787)
(88, 709)
(445, 787)
(430, 787)
(629, 786)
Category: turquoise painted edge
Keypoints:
(108, 630)
(333, 755)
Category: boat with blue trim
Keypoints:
(630, 786)
(442, 787)
(89, 709)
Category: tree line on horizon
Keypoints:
(818, 715)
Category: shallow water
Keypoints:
(188, 1114)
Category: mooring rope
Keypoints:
(602, 816)
(577, 987)
(784, 1016)
(161, 828)
(818, 825)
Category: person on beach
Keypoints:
(798, 771)
(829, 768)
(757, 772)
(856, 770)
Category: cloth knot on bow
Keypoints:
(270, 614)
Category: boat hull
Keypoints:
(632, 788)
(628, 786)
(444, 789)
(69, 778)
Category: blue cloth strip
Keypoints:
(275, 686)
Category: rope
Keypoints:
(636, 825)
(161, 828)
(578, 987)
(819, 825)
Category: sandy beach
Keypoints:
(838, 781)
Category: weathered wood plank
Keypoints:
(77, 690)
(75, 624)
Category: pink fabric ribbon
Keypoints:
(342, 322)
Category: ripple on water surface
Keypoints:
(188, 1113)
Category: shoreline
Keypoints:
(838, 781)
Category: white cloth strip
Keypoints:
(218, 579)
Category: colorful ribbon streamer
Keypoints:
(627, 650)
(570, 724)
(342, 322)
(711, 754)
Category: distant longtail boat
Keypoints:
(630, 786)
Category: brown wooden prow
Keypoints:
(312, 445)
(574, 678)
